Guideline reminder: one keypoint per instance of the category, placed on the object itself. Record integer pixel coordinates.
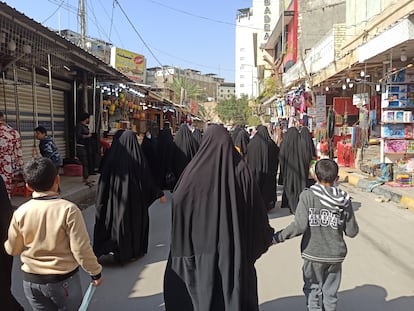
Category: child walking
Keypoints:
(49, 234)
(324, 213)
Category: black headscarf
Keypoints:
(241, 141)
(125, 191)
(198, 135)
(186, 148)
(263, 159)
(8, 302)
(219, 229)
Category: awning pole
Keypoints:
(94, 106)
(52, 115)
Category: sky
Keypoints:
(185, 33)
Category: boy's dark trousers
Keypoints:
(321, 284)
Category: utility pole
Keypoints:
(82, 19)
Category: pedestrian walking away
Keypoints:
(219, 229)
(263, 159)
(324, 213)
(50, 235)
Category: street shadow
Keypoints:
(364, 298)
(127, 280)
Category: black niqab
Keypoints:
(263, 159)
(219, 229)
(125, 191)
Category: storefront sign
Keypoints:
(267, 19)
(129, 63)
(318, 113)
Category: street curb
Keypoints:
(363, 183)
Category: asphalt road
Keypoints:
(378, 272)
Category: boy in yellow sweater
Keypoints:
(49, 233)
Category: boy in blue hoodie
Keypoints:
(324, 213)
(47, 147)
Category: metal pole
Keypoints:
(16, 98)
(95, 119)
(34, 91)
(52, 115)
(82, 19)
(74, 112)
(4, 95)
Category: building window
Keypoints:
(241, 76)
(242, 85)
(242, 58)
(242, 49)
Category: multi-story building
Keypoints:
(162, 77)
(226, 90)
(253, 28)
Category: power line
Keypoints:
(54, 12)
(202, 17)
(138, 34)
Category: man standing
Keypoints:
(11, 155)
(82, 146)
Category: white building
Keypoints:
(253, 27)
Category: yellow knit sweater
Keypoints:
(50, 235)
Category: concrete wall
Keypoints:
(359, 12)
(316, 19)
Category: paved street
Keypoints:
(378, 272)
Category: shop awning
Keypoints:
(270, 100)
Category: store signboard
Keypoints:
(131, 64)
(360, 100)
(318, 113)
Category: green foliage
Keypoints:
(271, 87)
(253, 120)
(233, 110)
(191, 90)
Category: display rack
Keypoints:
(397, 129)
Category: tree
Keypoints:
(233, 110)
(185, 89)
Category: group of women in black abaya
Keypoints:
(132, 178)
(223, 188)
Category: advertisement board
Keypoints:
(129, 63)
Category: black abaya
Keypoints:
(219, 229)
(166, 148)
(8, 302)
(198, 135)
(296, 153)
(263, 159)
(125, 191)
(241, 141)
(185, 148)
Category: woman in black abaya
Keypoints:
(8, 302)
(166, 148)
(185, 148)
(125, 191)
(296, 154)
(219, 229)
(263, 159)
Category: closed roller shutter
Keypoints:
(26, 120)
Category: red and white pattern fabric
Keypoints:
(11, 155)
